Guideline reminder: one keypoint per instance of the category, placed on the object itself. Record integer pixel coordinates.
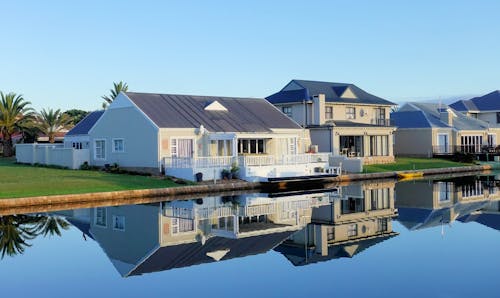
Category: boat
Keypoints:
(409, 175)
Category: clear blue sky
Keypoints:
(66, 54)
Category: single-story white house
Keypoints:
(182, 135)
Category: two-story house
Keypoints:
(342, 118)
(486, 108)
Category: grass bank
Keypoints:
(406, 163)
(25, 181)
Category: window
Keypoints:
(118, 145)
(382, 225)
(181, 148)
(328, 113)
(492, 140)
(251, 146)
(379, 145)
(379, 199)
(330, 233)
(287, 110)
(119, 222)
(352, 230)
(444, 190)
(100, 217)
(352, 205)
(100, 149)
(350, 113)
(498, 117)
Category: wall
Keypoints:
(339, 112)
(490, 117)
(51, 155)
(140, 137)
(323, 138)
(413, 142)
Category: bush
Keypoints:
(463, 157)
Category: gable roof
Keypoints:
(334, 92)
(189, 111)
(83, 127)
(426, 115)
(185, 255)
(488, 102)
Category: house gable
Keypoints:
(215, 106)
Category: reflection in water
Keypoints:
(425, 203)
(304, 227)
(16, 231)
(360, 218)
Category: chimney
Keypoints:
(446, 116)
(318, 109)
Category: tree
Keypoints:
(51, 225)
(51, 122)
(15, 232)
(117, 88)
(76, 115)
(14, 113)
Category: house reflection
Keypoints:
(426, 203)
(358, 219)
(154, 237)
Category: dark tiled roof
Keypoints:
(83, 127)
(188, 111)
(410, 119)
(488, 102)
(486, 219)
(332, 91)
(184, 255)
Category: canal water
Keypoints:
(420, 238)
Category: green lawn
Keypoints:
(404, 163)
(25, 181)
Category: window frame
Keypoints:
(114, 217)
(350, 112)
(105, 210)
(287, 110)
(328, 112)
(103, 148)
(113, 149)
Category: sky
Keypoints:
(67, 54)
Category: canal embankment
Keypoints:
(86, 200)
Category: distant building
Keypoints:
(485, 108)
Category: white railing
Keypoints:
(199, 162)
(258, 210)
(215, 212)
(245, 160)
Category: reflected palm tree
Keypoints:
(15, 232)
(51, 225)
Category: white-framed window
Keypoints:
(492, 140)
(100, 149)
(118, 145)
(382, 225)
(287, 110)
(350, 113)
(251, 146)
(119, 222)
(352, 230)
(100, 218)
(181, 147)
(328, 113)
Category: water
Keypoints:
(434, 238)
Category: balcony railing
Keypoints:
(245, 160)
(465, 149)
(381, 122)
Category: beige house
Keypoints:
(485, 108)
(183, 135)
(424, 204)
(427, 129)
(361, 217)
(342, 118)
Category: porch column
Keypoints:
(390, 144)
(366, 145)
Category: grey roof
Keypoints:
(184, 255)
(488, 102)
(425, 115)
(83, 127)
(188, 111)
(333, 93)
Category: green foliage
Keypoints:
(463, 157)
(76, 115)
(51, 122)
(15, 116)
(25, 181)
(117, 88)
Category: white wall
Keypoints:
(51, 155)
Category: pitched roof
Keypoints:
(185, 255)
(334, 92)
(424, 115)
(190, 111)
(83, 127)
(488, 102)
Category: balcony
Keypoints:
(474, 149)
(381, 122)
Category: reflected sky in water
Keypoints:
(443, 244)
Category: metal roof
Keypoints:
(83, 127)
(333, 93)
(488, 102)
(188, 111)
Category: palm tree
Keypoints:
(51, 225)
(51, 122)
(15, 232)
(117, 88)
(13, 110)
